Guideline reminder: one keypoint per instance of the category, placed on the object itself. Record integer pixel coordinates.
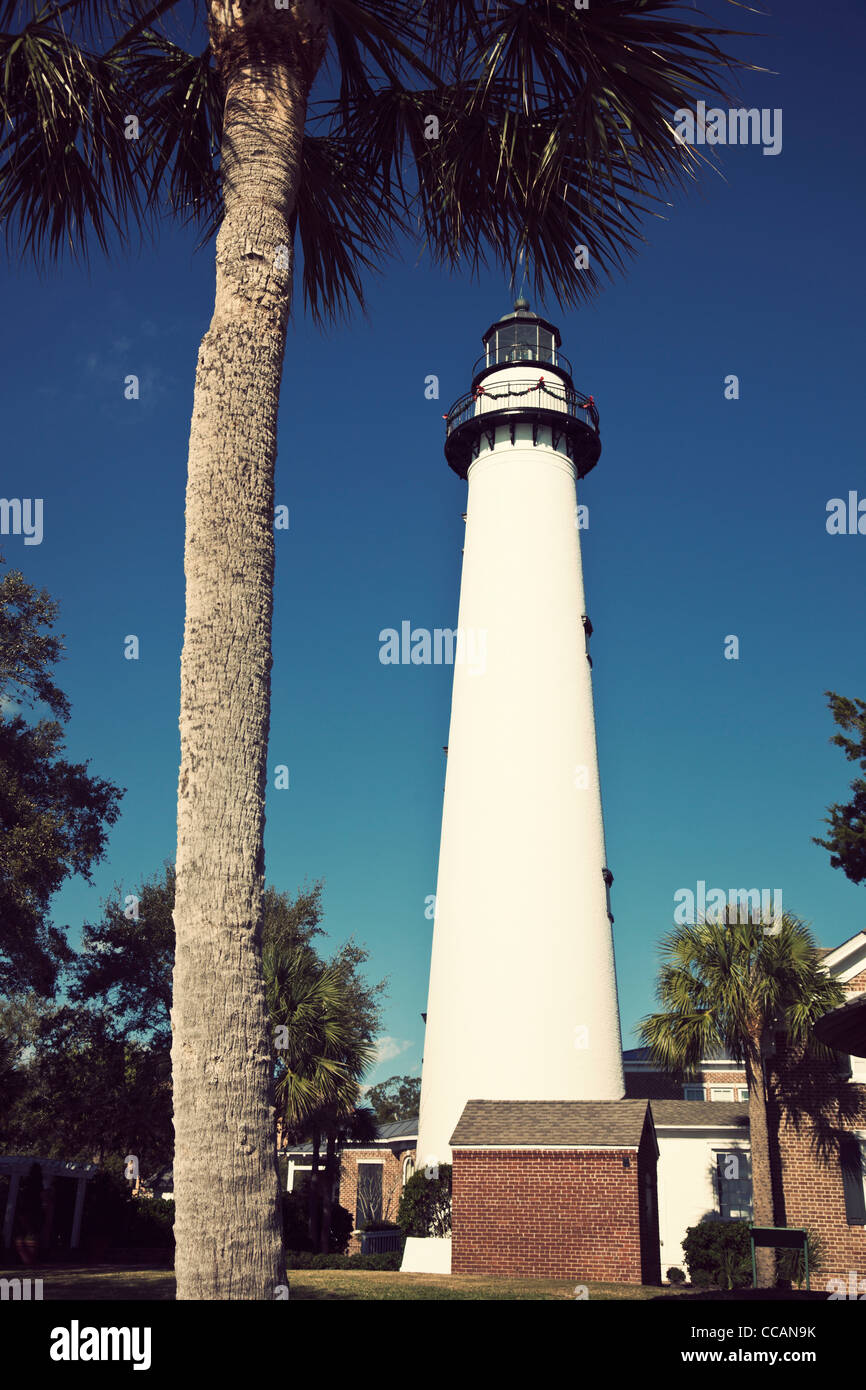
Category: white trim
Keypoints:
(858, 1069)
(704, 1066)
(856, 947)
(681, 1131)
(559, 1148)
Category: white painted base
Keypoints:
(427, 1255)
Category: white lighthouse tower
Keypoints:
(523, 1001)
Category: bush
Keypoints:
(106, 1209)
(149, 1223)
(425, 1205)
(790, 1265)
(342, 1226)
(305, 1259)
(719, 1253)
(675, 1276)
(28, 1213)
(296, 1225)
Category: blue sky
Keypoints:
(707, 518)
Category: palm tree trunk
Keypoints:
(315, 1204)
(225, 1172)
(328, 1193)
(762, 1180)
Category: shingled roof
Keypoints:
(715, 1114)
(534, 1124)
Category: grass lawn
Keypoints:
(107, 1283)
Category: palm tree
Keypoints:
(733, 985)
(498, 132)
(319, 1055)
(355, 1126)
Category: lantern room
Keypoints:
(521, 337)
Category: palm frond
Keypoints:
(182, 97)
(345, 224)
(66, 166)
(554, 130)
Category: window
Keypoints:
(368, 1206)
(742, 1093)
(858, 1070)
(521, 341)
(852, 1159)
(734, 1184)
(408, 1168)
(299, 1178)
(693, 1093)
(721, 1093)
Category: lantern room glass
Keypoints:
(521, 342)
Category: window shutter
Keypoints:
(851, 1160)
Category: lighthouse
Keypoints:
(522, 1002)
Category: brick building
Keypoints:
(528, 1201)
(827, 1193)
(372, 1176)
(718, 1079)
(558, 1190)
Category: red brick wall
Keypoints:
(813, 1194)
(547, 1213)
(392, 1178)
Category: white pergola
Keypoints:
(18, 1166)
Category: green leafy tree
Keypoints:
(735, 985)
(82, 1090)
(490, 132)
(846, 838)
(398, 1098)
(126, 958)
(356, 1126)
(54, 815)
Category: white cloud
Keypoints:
(389, 1048)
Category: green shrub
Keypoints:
(425, 1205)
(719, 1253)
(28, 1212)
(296, 1224)
(106, 1209)
(296, 1221)
(305, 1259)
(342, 1226)
(149, 1221)
(675, 1276)
(790, 1265)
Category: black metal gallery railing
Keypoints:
(516, 354)
(535, 394)
(544, 403)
